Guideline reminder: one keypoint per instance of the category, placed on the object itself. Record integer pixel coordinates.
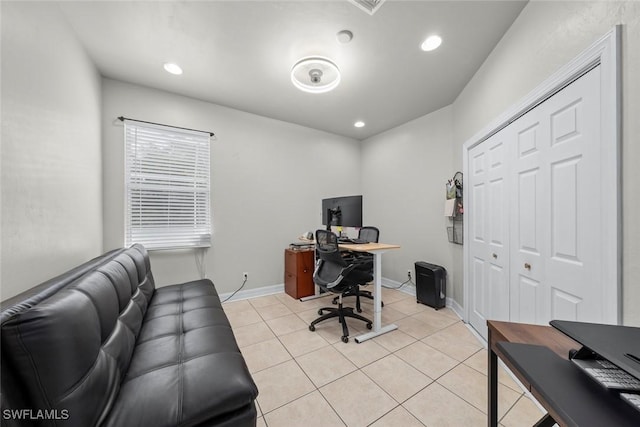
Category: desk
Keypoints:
(538, 356)
(377, 249)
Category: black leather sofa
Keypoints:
(101, 346)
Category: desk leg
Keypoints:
(377, 301)
(546, 421)
(378, 329)
(493, 386)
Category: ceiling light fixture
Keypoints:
(315, 75)
(431, 43)
(359, 124)
(172, 68)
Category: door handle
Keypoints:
(527, 266)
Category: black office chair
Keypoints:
(368, 234)
(337, 274)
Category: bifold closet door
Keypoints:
(535, 209)
(489, 231)
(555, 218)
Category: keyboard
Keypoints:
(352, 241)
(608, 374)
(632, 399)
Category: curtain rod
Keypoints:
(122, 119)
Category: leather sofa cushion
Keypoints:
(186, 366)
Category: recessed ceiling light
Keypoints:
(359, 124)
(431, 43)
(172, 68)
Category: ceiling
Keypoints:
(240, 53)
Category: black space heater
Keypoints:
(431, 284)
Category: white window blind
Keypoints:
(167, 180)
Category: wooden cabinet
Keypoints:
(298, 273)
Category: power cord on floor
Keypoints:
(236, 291)
(399, 286)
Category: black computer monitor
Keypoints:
(343, 211)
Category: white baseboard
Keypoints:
(409, 288)
(253, 293)
(453, 305)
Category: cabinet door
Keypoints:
(305, 283)
(298, 273)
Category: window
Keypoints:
(167, 182)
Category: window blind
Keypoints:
(167, 180)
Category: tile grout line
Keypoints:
(361, 368)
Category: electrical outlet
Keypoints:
(245, 276)
(409, 274)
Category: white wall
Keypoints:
(51, 166)
(268, 179)
(543, 38)
(404, 171)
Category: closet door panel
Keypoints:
(529, 221)
(489, 284)
(479, 292)
(498, 233)
(575, 237)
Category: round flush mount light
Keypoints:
(315, 75)
(431, 43)
(359, 124)
(172, 68)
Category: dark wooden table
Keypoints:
(539, 357)
(522, 333)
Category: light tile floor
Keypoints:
(432, 371)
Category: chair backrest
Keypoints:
(327, 248)
(370, 234)
(331, 268)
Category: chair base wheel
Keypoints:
(369, 326)
(345, 339)
(320, 312)
(312, 328)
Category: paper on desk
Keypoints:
(449, 206)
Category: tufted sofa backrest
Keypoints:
(66, 346)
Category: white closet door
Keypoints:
(529, 218)
(575, 242)
(489, 237)
(534, 211)
(555, 221)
